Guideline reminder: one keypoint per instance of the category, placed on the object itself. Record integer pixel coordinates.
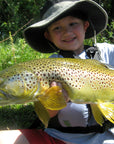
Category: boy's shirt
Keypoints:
(107, 53)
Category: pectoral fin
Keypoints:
(107, 110)
(42, 113)
(103, 110)
(53, 99)
(97, 114)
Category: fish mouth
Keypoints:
(7, 99)
(2, 94)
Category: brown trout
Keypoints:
(86, 81)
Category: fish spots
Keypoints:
(15, 77)
(44, 75)
(30, 80)
(25, 80)
(16, 80)
(98, 80)
(46, 82)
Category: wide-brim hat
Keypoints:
(97, 17)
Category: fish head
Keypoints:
(18, 88)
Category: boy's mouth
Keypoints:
(69, 40)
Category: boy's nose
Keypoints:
(67, 30)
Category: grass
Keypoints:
(17, 116)
(11, 53)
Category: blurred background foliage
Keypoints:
(15, 15)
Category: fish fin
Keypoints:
(107, 110)
(109, 66)
(97, 114)
(53, 98)
(42, 113)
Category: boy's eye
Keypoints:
(73, 24)
(57, 28)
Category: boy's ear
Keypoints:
(86, 25)
(46, 35)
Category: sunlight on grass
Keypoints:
(16, 53)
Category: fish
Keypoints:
(86, 81)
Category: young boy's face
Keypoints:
(67, 33)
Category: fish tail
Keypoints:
(42, 113)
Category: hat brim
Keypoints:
(34, 34)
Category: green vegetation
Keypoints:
(16, 15)
(11, 53)
(16, 116)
